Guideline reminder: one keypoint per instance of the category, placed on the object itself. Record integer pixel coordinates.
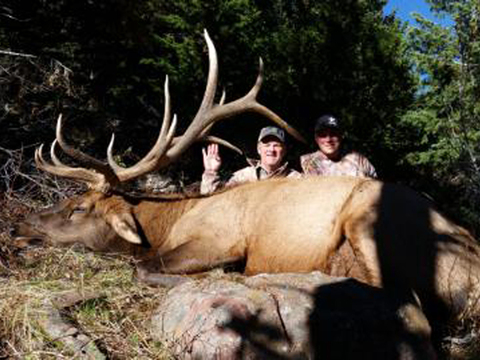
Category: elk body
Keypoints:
(396, 237)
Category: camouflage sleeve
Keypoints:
(307, 165)
(240, 177)
(368, 169)
(304, 163)
(210, 182)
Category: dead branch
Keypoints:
(12, 53)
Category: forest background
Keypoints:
(408, 95)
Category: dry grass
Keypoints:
(114, 316)
(116, 310)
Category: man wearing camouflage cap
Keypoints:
(332, 158)
(271, 148)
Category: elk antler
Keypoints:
(101, 176)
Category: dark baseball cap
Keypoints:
(272, 131)
(327, 122)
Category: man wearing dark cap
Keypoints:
(331, 158)
(271, 148)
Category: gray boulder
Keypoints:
(290, 316)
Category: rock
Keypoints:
(62, 331)
(294, 316)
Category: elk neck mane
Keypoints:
(134, 197)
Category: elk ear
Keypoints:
(124, 225)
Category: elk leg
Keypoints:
(193, 257)
(143, 275)
(365, 250)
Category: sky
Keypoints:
(405, 7)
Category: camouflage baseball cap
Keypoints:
(272, 131)
(327, 122)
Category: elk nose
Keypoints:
(13, 231)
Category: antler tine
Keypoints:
(212, 80)
(258, 82)
(153, 153)
(205, 131)
(55, 159)
(111, 161)
(150, 162)
(166, 110)
(249, 103)
(84, 159)
(204, 134)
(220, 141)
(222, 99)
(153, 159)
(195, 131)
(263, 110)
(94, 180)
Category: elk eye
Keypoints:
(78, 211)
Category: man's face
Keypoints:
(271, 151)
(329, 141)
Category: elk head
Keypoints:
(95, 219)
(99, 217)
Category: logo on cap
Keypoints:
(272, 131)
(332, 121)
(327, 121)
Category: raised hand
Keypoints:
(211, 158)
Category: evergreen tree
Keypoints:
(320, 56)
(447, 108)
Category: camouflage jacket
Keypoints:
(350, 164)
(211, 180)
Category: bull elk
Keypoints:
(396, 236)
